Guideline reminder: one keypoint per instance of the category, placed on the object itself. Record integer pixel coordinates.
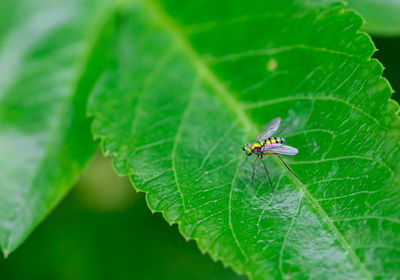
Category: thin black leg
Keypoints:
(291, 171)
(254, 170)
(266, 170)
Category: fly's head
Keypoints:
(247, 149)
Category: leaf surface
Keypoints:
(382, 16)
(45, 137)
(188, 85)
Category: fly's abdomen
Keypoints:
(274, 140)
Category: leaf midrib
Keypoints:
(174, 31)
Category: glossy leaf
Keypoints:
(382, 16)
(45, 138)
(189, 84)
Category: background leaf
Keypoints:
(187, 85)
(382, 16)
(45, 139)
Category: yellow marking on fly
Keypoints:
(267, 142)
(255, 146)
(273, 141)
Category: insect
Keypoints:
(266, 144)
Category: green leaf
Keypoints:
(188, 85)
(382, 17)
(45, 138)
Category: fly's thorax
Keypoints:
(256, 145)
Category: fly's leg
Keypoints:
(254, 170)
(266, 170)
(290, 170)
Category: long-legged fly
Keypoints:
(266, 144)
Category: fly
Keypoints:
(266, 144)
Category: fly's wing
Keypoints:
(269, 129)
(280, 149)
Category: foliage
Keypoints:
(198, 98)
(45, 138)
(184, 86)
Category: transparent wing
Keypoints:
(270, 128)
(280, 149)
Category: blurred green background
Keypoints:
(103, 229)
(389, 55)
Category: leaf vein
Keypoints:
(178, 138)
(261, 104)
(295, 215)
(230, 212)
(272, 51)
(380, 218)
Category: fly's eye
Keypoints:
(248, 151)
